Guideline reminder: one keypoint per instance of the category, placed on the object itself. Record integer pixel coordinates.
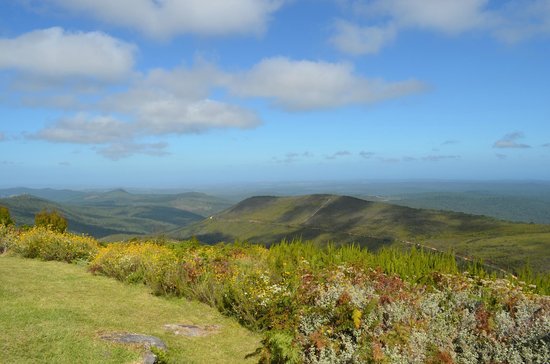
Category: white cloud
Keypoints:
(57, 55)
(381, 20)
(519, 20)
(167, 18)
(450, 16)
(174, 102)
(308, 85)
(83, 129)
(177, 102)
(356, 40)
(2, 137)
(171, 116)
(511, 141)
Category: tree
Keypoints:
(51, 220)
(5, 217)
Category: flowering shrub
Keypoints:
(152, 264)
(40, 242)
(352, 315)
(7, 237)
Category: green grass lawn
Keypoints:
(54, 312)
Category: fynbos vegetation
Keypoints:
(333, 304)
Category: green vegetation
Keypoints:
(55, 313)
(343, 303)
(521, 208)
(5, 217)
(329, 218)
(103, 215)
(51, 220)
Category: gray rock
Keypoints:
(149, 358)
(146, 341)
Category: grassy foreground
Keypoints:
(54, 312)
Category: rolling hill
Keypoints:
(341, 219)
(117, 212)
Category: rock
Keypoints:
(145, 341)
(192, 330)
(149, 358)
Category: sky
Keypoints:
(175, 93)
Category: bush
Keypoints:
(5, 217)
(40, 242)
(152, 264)
(7, 237)
(51, 220)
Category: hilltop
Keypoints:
(343, 219)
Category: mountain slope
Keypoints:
(341, 219)
(102, 221)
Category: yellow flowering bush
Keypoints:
(153, 264)
(40, 242)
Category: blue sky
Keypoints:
(176, 93)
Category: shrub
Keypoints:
(5, 217)
(51, 220)
(7, 237)
(152, 264)
(40, 242)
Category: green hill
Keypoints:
(102, 221)
(323, 218)
(514, 208)
(113, 214)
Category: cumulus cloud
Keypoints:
(178, 101)
(354, 39)
(307, 85)
(511, 141)
(83, 129)
(381, 20)
(56, 54)
(167, 18)
(547, 145)
(451, 16)
(2, 137)
(501, 156)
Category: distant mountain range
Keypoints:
(343, 219)
(119, 214)
(116, 212)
